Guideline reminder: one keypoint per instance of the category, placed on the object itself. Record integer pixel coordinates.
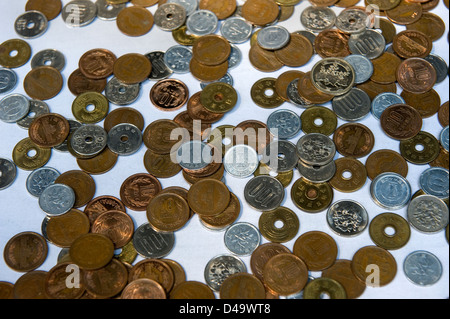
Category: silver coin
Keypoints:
(284, 124)
(8, 173)
(316, 149)
(36, 108)
(439, 65)
(178, 58)
(160, 70)
(194, 155)
(273, 37)
(202, 22)
(352, 106)
(73, 126)
(120, 93)
(242, 239)
(294, 96)
(428, 214)
(150, 243)
(8, 80)
(347, 218)
(280, 156)
(317, 174)
(235, 57)
(107, 11)
(333, 76)
(369, 43)
(227, 78)
(444, 138)
(241, 161)
(57, 199)
(422, 268)
(170, 16)
(383, 100)
(31, 24)
(317, 19)
(236, 30)
(352, 21)
(391, 191)
(79, 13)
(435, 181)
(264, 193)
(14, 107)
(49, 57)
(124, 139)
(44, 226)
(220, 268)
(191, 6)
(89, 140)
(363, 67)
(39, 179)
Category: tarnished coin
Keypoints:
(428, 214)
(317, 19)
(78, 83)
(421, 149)
(262, 254)
(384, 100)
(220, 268)
(211, 50)
(264, 60)
(443, 114)
(358, 43)
(405, 12)
(79, 13)
(168, 212)
(150, 243)
(279, 225)
(264, 193)
(319, 119)
(347, 218)
(341, 272)
(49, 57)
(49, 130)
(153, 269)
(14, 107)
(160, 70)
(284, 80)
(219, 97)
(81, 183)
(121, 93)
(138, 190)
(416, 75)
(97, 64)
(113, 278)
(383, 161)
(39, 179)
(101, 204)
(280, 156)
(169, 94)
(440, 65)
(264, 94)
(351, 175)
(434, 181)
(43, 83)
(422, 268)
(202, 22)
(116, 225)
(192, 290)
(197, 111)
(18, 59)
(88, 141)
(28, 156)
(31, 24)
(324, 76)
(170, 16)
(316, 149)
(354, 139)
(132, 68)
(311, 197)
(223, 10)
(90, 107)
(224, 219)
(157, 136)
(206, 73)
(135, 21)
(124, 139)
(389, 231)
(412, 44)
(317, 249)
(62, 230)
(242, 286)
(427, 104)
(160, 165)
(57, 199)
(92, 251)
(401, 121)
(25, 251)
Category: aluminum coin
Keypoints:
(435, 181)
(273, 37)
(383, 100)
(39, 179)
(177, 58)
(194, 155)
(422, 268)
(363, 67)
(241, 161)
(202, 22)
(428, 214)
(14, 107)
(57, 199)
(390, 191)
(444, 138)
(242, 239)
(8, 80)
(236, 30)
(284, 124)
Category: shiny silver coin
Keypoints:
(352, 21)
(333, 76)
(79, 13)
(31, 24)
(369, 43)
(363, 67)
(317, 174)
(107, 11)
(8, 80)
(14, 107)
(49, 57)
(383, 100)
(150, 243)
(390, 191)
(227, 78)
(241, 161)
(220, 268)
(202, 22)
(435, 181)
(160, 70)
(178, 58)
(242, 239)
(194, 155)
(284, 124)
(347, 218)
(89, 140)
(317, 19)
(428, 214)
(170, 16)
(120, 93)
(124, 139)
(294, 96)
(73, 126)
(280, 156)
(235, 57)
(422, 268)
(439, 65)
(8, 173)
(273, 37)
(57, 199)
(236, 30)
(191, 6)
(39, 179)
(316, 149)
(444, 138)
(264, 193)
(352, 106)
(36, 108)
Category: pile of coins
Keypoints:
(357, 73)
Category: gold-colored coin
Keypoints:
(28, 156)
(285, 178)
(92, 251)
(350, 176)
(128, 253)
(421, 149)
(264, 93)
(219, 97)
(390, 231)
(90, 107)
(319, 286)
(319, 119)
(181, 36)
(279, 225)
(64, 229)
(311, 197)
(14, 53)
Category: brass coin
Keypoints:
(429, 24)
(25, 251)
(14, 53)
(90, 107)
(132, 68)
(92, 251)
(427, 104)
(168, 212)
(442, 160)
(385, 67)
(443, 114)
(297, 52)
(354, 140)
(28, 156)
(226, 218)
(219, 97)
(209, 197)
(49, 130)
(135, 21)
(99, 164)
(283, 81)
(264, 60)
(384, 4)
(401, 121)
(319, 286)
(382, 223)
(311, 197)
(157, 136)
(421, 149)
(383, 161)
(160, 165)
(319, 119)
(208, 73)
(181, 36)
(232, 287)
(142, 3)
(211, 50)
(43, 83)
(264, 93)
(341, 271)
(82, 184)
(351, 175)
(285, 178)
(270, 228)
(64, 229)
(128, 254)
(317, 249)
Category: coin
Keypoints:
(316, 149)
(427, 214)
(160, 70)
(153, 269)
(311, 197)
(160, 165)
(433, 182)
(279, 225)
(170, 16)
(381, 227)
(317, 19)
(28, 156)
(347, 218)
(169, 94)
(201, 193)
(157, 136)
(138, 190)
(57, 199)
(242, 286)
(113, 278)
(14, 53)
(120, 93)
(332, 43)
(284, 124)
(358, 43)
(226, 218)
(394, 118)
(364, 68)
(49, 57)
(341, 272)
(324, 286)
(56, 283)
(219, 97)
(62, 230)
(124, 139)
(442, 160)
(31, 285)
(354, 139)
(352, 106)
(116, 225)
(90, 107)
(273, 37)
(412, 44)
(405, 13)
(124, 115)
(25, 251)
(151, 244)
(197, 111)
(350, 175)
(322, 76)
(31, 24)
(443, 117)
(8, 173)
(168, 212)
(241, 161)
(421, 149)
(102, 204)
(430, 268)
(385, 67)
(264, 193)
(132, 68)
(317, 249)
(206, 73)
(8, 80)
(236, 30)
(37, 108)
(319, 119)
(92, 251)
(78, 83)
(262, 254)
(382, 161)
(242, 238)
(43, 83)
(201, 22)
(384, 182)
(51, 9)
(427, 104)
(264, 60)
(282, 82)
(14, 107)
(264, 94)
(135, 21)
(177, 58)
(373, 89)
(430, 24)
(79, 13)
(192, 290)
(82, 184)
(260, 12)
(97, 64)
(49, 130)
(143, 289)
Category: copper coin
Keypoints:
(385, 67)
(193, 180)
(285, 274)
(124, 115)
(197, 111)
(350, 176)
(263, 93)
(242, 286)
(132, 68)
(56, 283)
(416, 75)
(92, 251)
(169, 94)
(429, 24)
(264, 60)
(144, 3)
(64, 229)
(372, 255)
(6, 290)
(341, 271)
(14, 53)
(427, 104)
(332, 43)
(168, 212)
(196, 130)
(211, 50)
(31, 285)
(208, 73)
(103, 204)
(82, 184)
(222, 9)
(108, 281)
(443, 115)
(317, 249)
(138, 190)
(406, 12)
(209, 197)
(354, 139)
(99, 164)
(43, 83)
(97, 63)
(421, 149)
(388, 29)
(283, 81)
(309, 92)
(157, 136)
(297, 52)
(178, 271)
(260, 12)
(442, 160)
(160, 165)
(50, 8)
(78, 83)
(346, 3)
(412, 44)
(153, 269)
(116, 225)
(248, 131)
(401, 121)
(135, 21)
(262, 255)
(431, 4)
(373, 89)
(192, 290)
(143, 289)
(383, 161)
(25, 251)
(226, 218)
(49, 130)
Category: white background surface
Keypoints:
(195, 245)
